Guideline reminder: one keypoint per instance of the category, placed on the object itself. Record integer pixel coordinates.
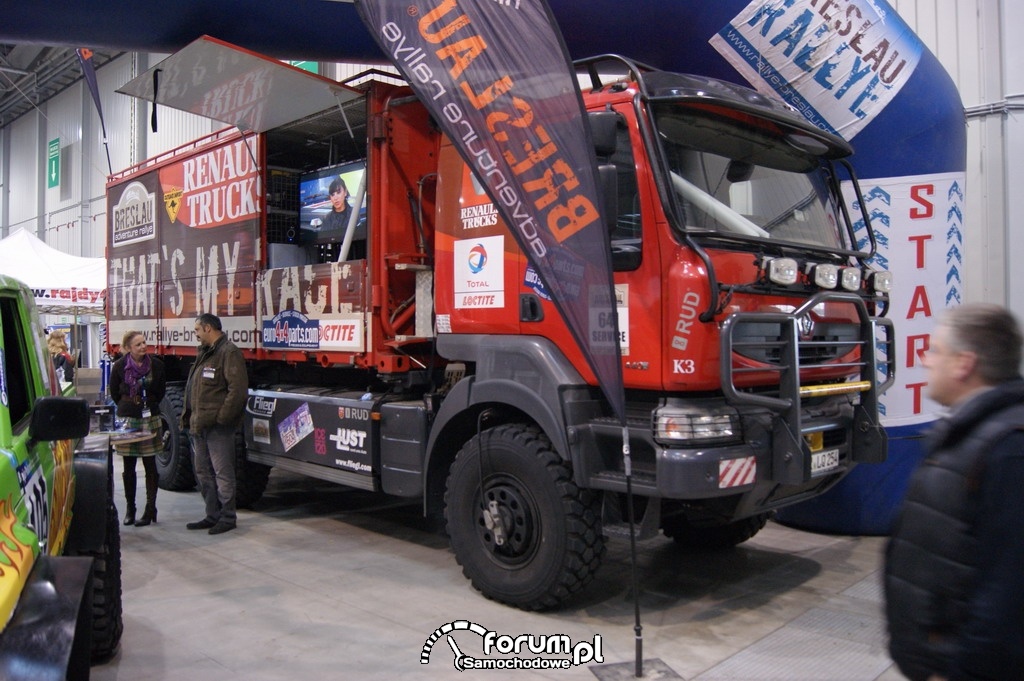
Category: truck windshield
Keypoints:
(736, 174)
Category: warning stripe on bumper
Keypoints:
(737, 472)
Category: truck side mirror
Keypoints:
(603, 130)
(59, 418)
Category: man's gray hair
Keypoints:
(989, 331)
(211, 320)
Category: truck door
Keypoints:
(636, 258)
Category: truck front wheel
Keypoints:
(174, 463)
(521, 529)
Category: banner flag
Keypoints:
(497, 77)
(89, 73)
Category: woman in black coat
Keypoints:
(137, 386)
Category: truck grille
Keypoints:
(766, 343)
(780, 350)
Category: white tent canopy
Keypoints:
(59, 281)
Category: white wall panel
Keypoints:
(62, 219)
(117, 114)
(174, 128)
(27, 167)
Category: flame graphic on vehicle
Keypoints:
(13, 552)
(63, 496)
(16, 559)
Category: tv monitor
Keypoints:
(320, 220)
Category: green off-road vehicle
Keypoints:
(60, 552)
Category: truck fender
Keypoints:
(45, 629)
(526, 373)
(93, 493)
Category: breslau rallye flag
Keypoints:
(497, 78)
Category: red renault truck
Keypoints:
(413, 350)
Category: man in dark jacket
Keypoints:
(954, 584)
(215, 398)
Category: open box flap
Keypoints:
(250, 91)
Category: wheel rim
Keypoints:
(507, 522)
(166, 452)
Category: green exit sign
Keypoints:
(53, 164)
(311, 66)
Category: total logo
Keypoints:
(477, 258)
(523, 651)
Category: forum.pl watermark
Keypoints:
(524, 651)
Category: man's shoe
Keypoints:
(203, 524)
(221, 528)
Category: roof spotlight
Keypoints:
(851, 278)
(782, 271)
(825, 276)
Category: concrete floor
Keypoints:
(323, 582)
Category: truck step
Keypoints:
(643, 482)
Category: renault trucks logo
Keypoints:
(525, 651)
(805, 325)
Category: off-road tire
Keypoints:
(556, 546)
(715, 537)
(174, 463)
(107, 621)
(250, 478)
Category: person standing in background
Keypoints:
(63, 360)
(137, 386)
(215, 397)
(954, 586)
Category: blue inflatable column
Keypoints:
(863, 74)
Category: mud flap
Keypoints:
(94, 490)
(49, 635)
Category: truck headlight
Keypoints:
(675, 425)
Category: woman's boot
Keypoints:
(149, 515)
(129, 492)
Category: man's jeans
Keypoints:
(213, 458)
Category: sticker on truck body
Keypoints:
(737, 472)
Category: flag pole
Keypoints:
(637, 627)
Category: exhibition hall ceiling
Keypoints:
(31, 74)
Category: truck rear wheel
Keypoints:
(174, 463)
(250, 478)
(715, 536)
(521, 529)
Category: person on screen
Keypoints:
(337, 219)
